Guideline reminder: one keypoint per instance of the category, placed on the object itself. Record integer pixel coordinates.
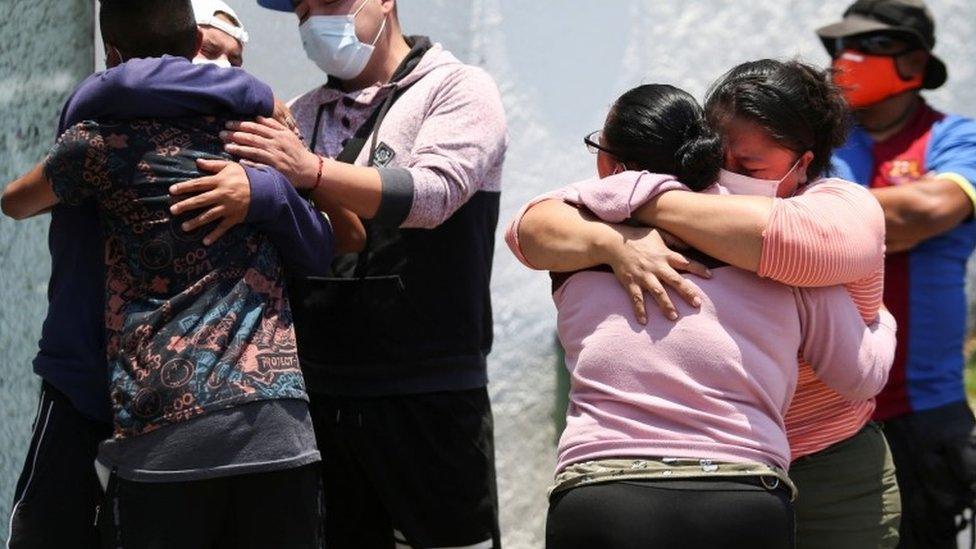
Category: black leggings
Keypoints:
(713, 513)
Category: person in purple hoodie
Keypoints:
(210, 412)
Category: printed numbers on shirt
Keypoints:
(193, 263)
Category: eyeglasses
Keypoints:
(888, 45)
(592, 142)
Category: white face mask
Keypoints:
(736, 183)
(331, 42)
(221, 62)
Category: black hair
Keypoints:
(797, 104)
(149, 28)
(662, 129)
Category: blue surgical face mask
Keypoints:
(331, 42)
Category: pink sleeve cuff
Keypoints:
(614, 199)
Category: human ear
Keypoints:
(805, 160)
(606, 165)
(912, 64)
(196, 49)
(112, 58)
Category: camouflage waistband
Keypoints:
(610, 470)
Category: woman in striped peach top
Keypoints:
(830, 233)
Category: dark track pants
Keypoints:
(58, 493)
(275, 509)
(408, 471)
(935, 459)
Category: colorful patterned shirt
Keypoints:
(190, 328)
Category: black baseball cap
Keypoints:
(909, 18)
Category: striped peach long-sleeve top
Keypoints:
(831, 233)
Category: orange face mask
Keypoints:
(869, 79)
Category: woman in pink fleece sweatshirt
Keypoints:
(669, 419)
(829, 232)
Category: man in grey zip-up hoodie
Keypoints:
(409, 141)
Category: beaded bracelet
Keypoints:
(318, 178)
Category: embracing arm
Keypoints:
(850, 356)
(301, 234)
(29, 195)
(456, 151)
(831, 234)
(64, 176)
(555, 236)
(167, 87)
(729, 228)
(549, 233)
(263, 197)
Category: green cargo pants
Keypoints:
(848, 495)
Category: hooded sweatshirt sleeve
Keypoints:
(167, 87)
(302, 235)
(462, 139)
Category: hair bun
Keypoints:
(699, 159)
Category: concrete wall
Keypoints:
(45, 49)
(559, 63)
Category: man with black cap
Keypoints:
(921, 166)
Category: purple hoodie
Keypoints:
(73, 360)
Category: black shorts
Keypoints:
(408, 471)
(280, 509)
(58, 494)
(935, 462)
(713, 513)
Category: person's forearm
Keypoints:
(356, 188)
(350, 235)
(29, 195)
(555, 236)
(728, 228)
(919, 211)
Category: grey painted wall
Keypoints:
(559, 64)
(45, 49)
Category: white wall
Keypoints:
(45, 49)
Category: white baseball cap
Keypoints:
(206, 12)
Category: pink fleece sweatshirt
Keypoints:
(445, 138)
(716, 384)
